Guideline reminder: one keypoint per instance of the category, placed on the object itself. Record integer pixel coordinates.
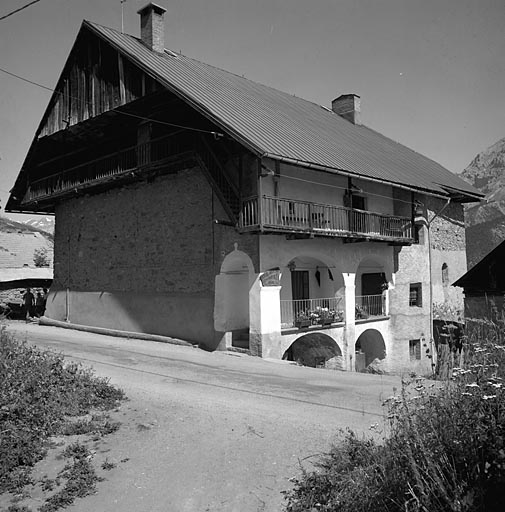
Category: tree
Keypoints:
(40, 257)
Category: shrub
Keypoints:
(445, 450)
(38, 390)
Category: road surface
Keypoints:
(212, 431)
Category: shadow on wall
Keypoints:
(316, 350)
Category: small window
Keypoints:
(445, 274)
(415, 297)
(415, 349)
(358, 202)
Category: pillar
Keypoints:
(350, 320)
(265, 318)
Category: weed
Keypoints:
(107, 465)
(39, 390)
(445, 450)
(80, 478)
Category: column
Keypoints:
(350, 322)
(265, 316)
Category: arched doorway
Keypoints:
(317, 350)
(369, 347)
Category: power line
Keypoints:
(118, 111)
(20, 9)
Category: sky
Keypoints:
(430, 73)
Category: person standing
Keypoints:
(28, 303)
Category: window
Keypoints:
(358, 202)
(415, 296)
(415, 349)
(445, 274)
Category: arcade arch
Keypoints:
(369, 346)
(315, 349)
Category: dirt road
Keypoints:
(212, 431)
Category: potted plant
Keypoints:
(302, 320)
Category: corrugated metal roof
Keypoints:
(282, 126)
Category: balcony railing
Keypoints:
(307, 312)
(369, 306)
(277, 214)
(107, 166)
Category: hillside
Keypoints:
(18, 243)
(485, 222)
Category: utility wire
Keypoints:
(20, 9)
(117, 111)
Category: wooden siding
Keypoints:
(95, 80)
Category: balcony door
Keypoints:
(371, 286)
(300, 284)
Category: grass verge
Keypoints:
(41, 396)
(445, 450)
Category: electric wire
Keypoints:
(17, 10)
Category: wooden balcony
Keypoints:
(274, 214)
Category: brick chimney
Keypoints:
(152, 28)
(348, 106)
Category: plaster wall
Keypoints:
(323, 187)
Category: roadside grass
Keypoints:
(444, 451)
(42, 396)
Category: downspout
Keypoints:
(428, 225)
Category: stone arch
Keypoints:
(316, 350)
(369, 347)
(231, 300)
(325, 279)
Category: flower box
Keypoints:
(301, 323)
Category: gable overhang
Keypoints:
(453, 194)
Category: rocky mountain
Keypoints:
(45, 223)
(485, 222)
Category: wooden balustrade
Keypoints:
(280, 214)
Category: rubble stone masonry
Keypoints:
(143, 257)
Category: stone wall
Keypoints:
(143, 257)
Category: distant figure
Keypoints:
(28, 303)
(40, 304)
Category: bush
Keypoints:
(445, 450)
(38, 390)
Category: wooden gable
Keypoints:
(96, 78)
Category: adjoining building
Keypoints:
(195, 203)
(484, 287)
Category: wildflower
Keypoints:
(488, 397)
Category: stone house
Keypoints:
(194, 203)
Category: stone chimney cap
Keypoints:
(158, 9)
